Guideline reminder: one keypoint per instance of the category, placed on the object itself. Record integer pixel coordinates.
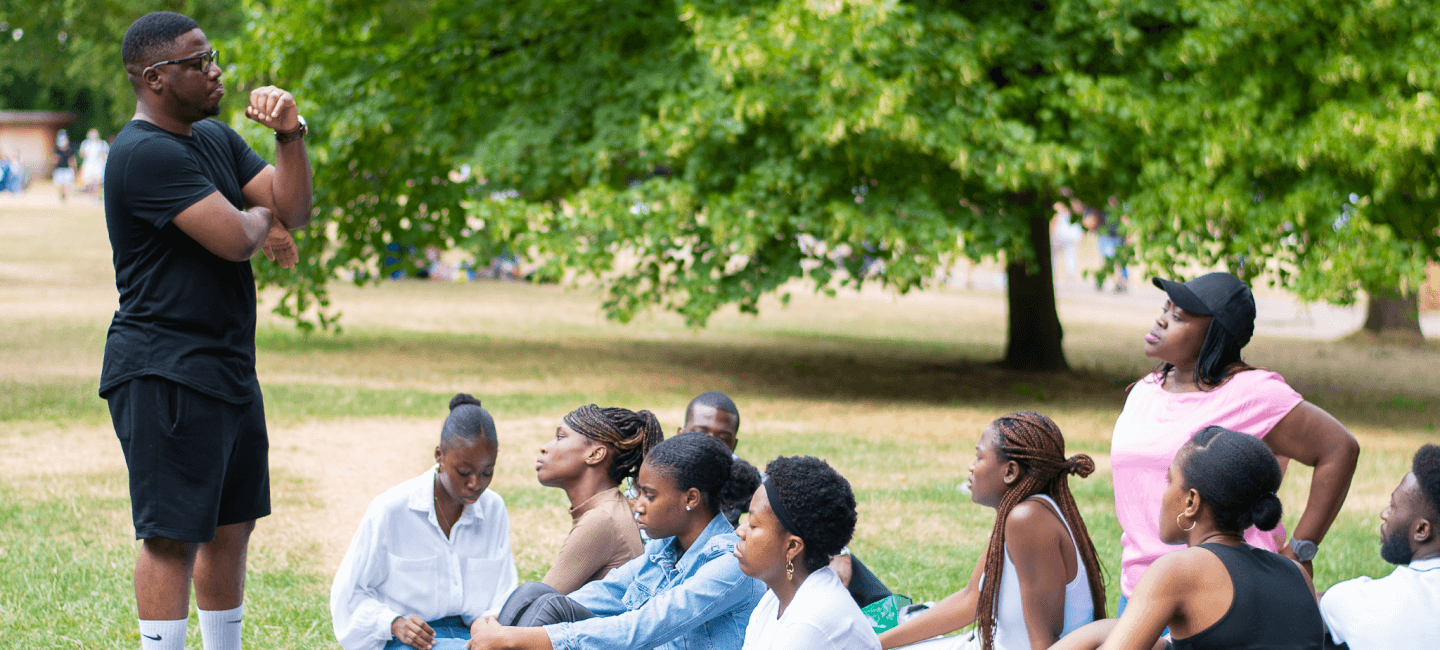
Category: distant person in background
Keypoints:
(1065, 239)
(1402, 610)
(1107, 238)
(4, 172)
(593, 451)
(93, 152)
(715, 414)
(64, 175)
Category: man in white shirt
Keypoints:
(1401, 610)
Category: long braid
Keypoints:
(631, 434)
(1033, 441)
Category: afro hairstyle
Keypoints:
(819, 502)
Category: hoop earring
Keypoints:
(789, 569)
(1182, 528)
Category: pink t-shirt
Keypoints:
(1151, 430)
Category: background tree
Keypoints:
(1288, 141)
(65, 56)
(692, 155)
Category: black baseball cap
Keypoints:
(1219, 295)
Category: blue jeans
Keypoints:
(451, 633)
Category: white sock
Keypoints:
(220, 629)
(162, 635)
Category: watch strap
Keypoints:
(293, 135)
(1305, 550)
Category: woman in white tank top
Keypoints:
(1039, 548)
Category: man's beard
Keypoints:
(210, 111)
(1396, 550)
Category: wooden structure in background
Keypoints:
(30, 135)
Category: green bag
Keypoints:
(884, 613)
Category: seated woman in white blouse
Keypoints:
(432, 555)
(802, 515)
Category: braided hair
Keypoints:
(1036, 444)
(631, 434)
(468, 421)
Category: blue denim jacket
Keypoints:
(699, 601)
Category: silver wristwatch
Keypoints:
(1304, 549)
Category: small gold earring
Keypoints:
(789, 569)
(1182, 528)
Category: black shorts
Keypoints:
(195, 462)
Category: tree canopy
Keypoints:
(1288, 141)
(66, 55)
(691, 155)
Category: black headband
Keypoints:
(778, 506)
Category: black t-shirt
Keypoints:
(185, 314)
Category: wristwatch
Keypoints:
(1305, 549)
(293, 135)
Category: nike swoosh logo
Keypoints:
(152, 638)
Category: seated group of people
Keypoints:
(1197, 456)
(430, 566)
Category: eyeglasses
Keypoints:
(213, 56)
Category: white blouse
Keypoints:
(822, 616)
(401, 564)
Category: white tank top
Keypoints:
(1010, 630)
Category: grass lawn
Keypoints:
(893, 392)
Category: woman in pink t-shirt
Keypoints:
(1200, 382)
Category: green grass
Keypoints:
(891, 392)
(65, 570)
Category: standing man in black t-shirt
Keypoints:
(187, 203)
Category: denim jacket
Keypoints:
(699, 601)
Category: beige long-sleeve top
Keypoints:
(603, 536)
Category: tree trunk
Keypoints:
(1393, 315)
(1035, 334)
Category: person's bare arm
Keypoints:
(486, 634)
(230, 234)
(1310, 435)
(1030, 538)
(285, 187)
(954, 612)
(1155, 602)
(1088, 636)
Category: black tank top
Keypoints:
(1272, 608)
